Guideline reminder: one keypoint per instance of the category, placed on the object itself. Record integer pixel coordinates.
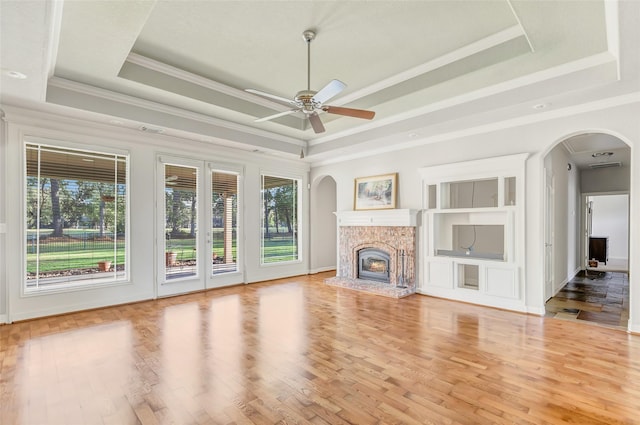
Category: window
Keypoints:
(76, 216)
(224, 226)
(280, 209)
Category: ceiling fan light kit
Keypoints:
(310, 102)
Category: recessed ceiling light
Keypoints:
(541, 106)
(15, 74)
(117, 122)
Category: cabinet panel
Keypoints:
(439, 274)
(501, 282)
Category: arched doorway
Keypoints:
(578, 166)
(323, 237)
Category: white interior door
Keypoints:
(548, 236)
(180, 243)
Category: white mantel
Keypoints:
(391, 217)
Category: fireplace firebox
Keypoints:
(373, 264)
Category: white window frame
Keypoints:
(80, 283)
(299, 224)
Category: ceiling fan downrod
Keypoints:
(308, 36)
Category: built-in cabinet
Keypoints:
(599, 248)
(473, 233)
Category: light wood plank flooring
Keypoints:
(296, 351)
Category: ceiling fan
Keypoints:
(310, 102)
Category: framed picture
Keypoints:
(376, 192)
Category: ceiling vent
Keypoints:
(605, 164)
(155, 130)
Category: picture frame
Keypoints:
(375, 192)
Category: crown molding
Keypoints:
(591, 62)
(52, 121)
(524, 32)
(486, 128)
(166, 109)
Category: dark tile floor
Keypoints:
(593, 296)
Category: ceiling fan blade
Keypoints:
(279, 114)
(350, 112)
(328, 91)
(280, 99)
(316, 123)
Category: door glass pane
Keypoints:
(224, 226)
(180, 193)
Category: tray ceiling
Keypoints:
(182, 66)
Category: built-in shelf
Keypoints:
(473, 226)
(470, 254)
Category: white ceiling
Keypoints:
(428, 68)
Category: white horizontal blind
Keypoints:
(76, 216)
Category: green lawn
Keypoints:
(83, 253)
(279, 248)
(73, 259)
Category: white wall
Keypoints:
(574, 222)
(605, 180)
(566, 240)
(143, 150)
(3, 179)
(536, 138)
(323, 228)
(610, 217)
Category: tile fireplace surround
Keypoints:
(393, 231)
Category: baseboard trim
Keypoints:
(322, 269)
(538, 311)
(4, 319)
(634, 328)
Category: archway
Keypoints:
(323, 237)
(585, 163)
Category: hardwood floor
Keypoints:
(298, 351)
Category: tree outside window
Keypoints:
(76, 216)
(280, 206)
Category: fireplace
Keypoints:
(377, 251)
(374, 264)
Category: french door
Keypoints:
(198, 226)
